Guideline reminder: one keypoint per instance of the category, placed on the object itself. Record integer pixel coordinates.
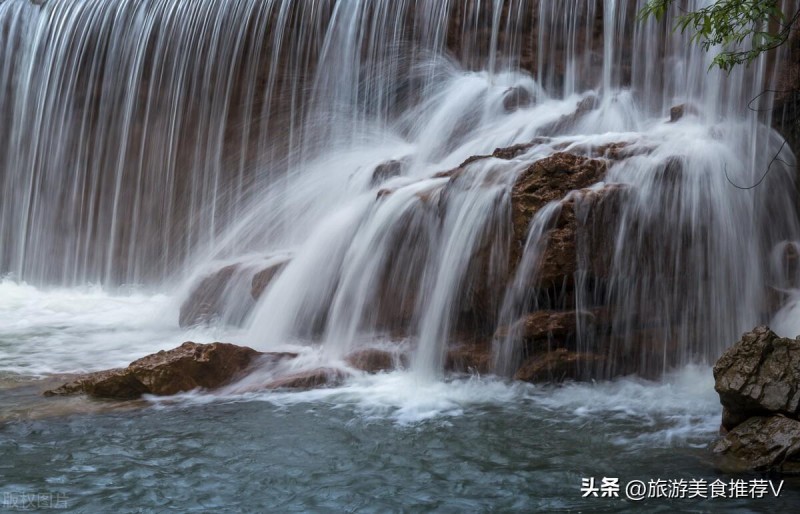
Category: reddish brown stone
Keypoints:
(181, 369)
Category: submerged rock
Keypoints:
(761, 444)
(759, 375)
(181, 369)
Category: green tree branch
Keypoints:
(744, 28)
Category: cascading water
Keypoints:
(147, 138)
(411, 201)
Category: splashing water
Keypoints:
(146, 142)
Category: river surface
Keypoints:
(382, 443)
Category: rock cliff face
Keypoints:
(758, 381)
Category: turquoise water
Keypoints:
(320, 456)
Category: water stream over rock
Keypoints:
(538, 190)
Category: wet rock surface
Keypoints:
(310, 379)
(206, 301)
(758, 381)
(181, 369)
(761, 444)
(548, 180)
(264, 278)
(387, 170)
(373, 360)
(557, 366)
(759, 375)
(469, 358)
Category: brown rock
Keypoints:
(312, 379)
(372, 360)
(761, 444)
(113, 383)
(558, 365)
(181, 369)
(546, 326)
(264, 277)
(759, 375)
(550, 179)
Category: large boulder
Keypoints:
(759, 375)
(181, 369)
(761, 444)
(758, 381)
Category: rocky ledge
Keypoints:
(181, 369)
(211, 366)
(758, 381)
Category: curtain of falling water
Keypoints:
(134, 130)
(140, 135)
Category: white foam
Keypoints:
(683, 409)
(85, 329)
(786, 322)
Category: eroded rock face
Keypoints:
(761, 444)
(547, 180)
(181, 369)
(759, 375)
(758, 381)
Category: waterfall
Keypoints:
(379, 149)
